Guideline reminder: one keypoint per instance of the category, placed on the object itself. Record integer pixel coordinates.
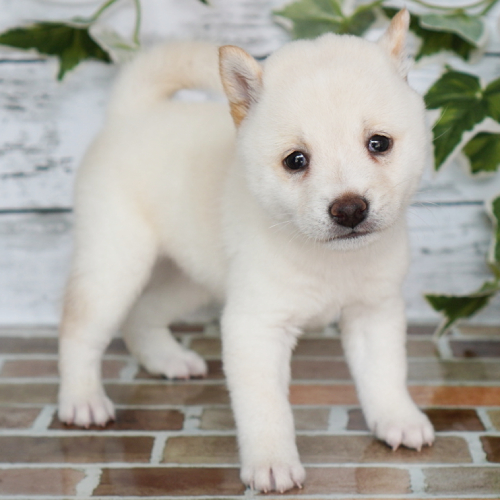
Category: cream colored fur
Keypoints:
(176, 207)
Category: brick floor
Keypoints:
(176, 439)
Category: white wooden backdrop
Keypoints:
(46, 125)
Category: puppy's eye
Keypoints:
(379, 144)
(296, 161)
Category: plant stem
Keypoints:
(137, 26)
(445, 7)
(488, 7)
(101, 9)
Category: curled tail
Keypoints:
(158, 73)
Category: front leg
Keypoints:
(256, 356)
(374, 339)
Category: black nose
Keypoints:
(349, 210)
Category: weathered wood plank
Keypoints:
(449, 245)
(449, 249)
(34, 257)
(45, 127)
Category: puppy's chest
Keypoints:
(335, 286)
(323, 289)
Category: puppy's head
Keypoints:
(332, 138)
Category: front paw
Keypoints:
(84, 408)
(273, 473)
(409, 427)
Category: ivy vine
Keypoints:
(78, 39)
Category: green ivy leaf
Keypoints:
(492, 99)
(461, 97)
(494, 210)
(450, 127)
(453, 87)
(469, 28)
(432, 41)
(483, 152)
(311, 18)
(455, 308)
(362, 18)
(71, 44)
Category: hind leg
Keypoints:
(169, 295)
(114, 256)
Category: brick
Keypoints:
(356, 420)
(17, 418)
(47, 345)
(48, 368)
(39, 481)
(479, 330)
(28, 345)
(331, 394)
(366, 449)
(418, 371)
(28, 394)
(355, 481)
(217, 419)
(475, 348)
(455, 395)
(421, 329)
(318, 449)
(318, 347)
(340, 394)
(172, 393)
(187, 328)
(491, 446)
(159, 482)
(214, 372)
(305, 419)
(443, 419)
(201, 450)
(463, 481)
(443, 371)
(421, 349)
(455, 419)
(177, 393)
(81, 449)
(319, 369)
(135, 420)
(311, 419)
(495, 418)
(207, 347)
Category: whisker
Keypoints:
(281, 223)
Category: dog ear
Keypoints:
(241, 78)
(394, 41)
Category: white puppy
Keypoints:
(295, 215)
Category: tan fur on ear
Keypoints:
(394, 40)
(241, 77)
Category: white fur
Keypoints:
(175, 209)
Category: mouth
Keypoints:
(349, 236)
